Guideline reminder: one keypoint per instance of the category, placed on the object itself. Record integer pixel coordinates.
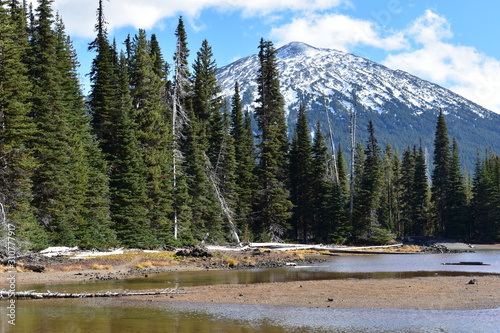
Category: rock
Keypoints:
(197, 252)
(256, 252)
(473, 281)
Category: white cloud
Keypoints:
(462, 69)
(80, 15)
(336, 31)
(422, 49)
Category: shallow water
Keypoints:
(117, 315)
(342, 267)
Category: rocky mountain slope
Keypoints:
(402, 106)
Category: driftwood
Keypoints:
(35, 295)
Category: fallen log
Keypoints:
(35, 295)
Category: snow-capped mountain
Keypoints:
(402, 106)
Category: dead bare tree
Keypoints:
(179, 115)
(226, 210)
(332, 143)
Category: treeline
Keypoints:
(155, 156)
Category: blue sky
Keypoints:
(452, 43)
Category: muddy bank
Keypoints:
(429, 293)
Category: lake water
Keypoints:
(117, 315)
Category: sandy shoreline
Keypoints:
(430, 293)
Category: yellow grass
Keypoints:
(19, 268)
(231, 261)
(71, 268)
(161, 263)
(101, 267)
(144, 264)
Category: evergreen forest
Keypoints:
(155, 157)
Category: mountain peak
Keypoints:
(324, 80)
(294, 49)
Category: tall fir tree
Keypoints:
(104, 86)
(388, 210)
(342, 228)
(455, 212)
(328, 197)
(17, 129)
(322, 185)
(128, 179)
(368, 197)
(246, 182)
(55, 200)
(420, 197)
(207, 104)
(206, 214)
(223, 178)
(152, 128)
(301, 184)
(89, 179)
(407, 179)
(273, 206)
(485, 222)
(441, 172)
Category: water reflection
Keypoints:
(115, 315)
(342, 267)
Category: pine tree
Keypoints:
(342, 173)
(152, 129)
(128, 184)
(207, 104)
(455, 212)
(273, 205)
(89, 178)
(322, 184)
(368, 197)
(328, 197)
(301, 185)
(388, 201)
(246, 182)
(420, 197)
(54, 197)
(441, 172)
(159, 65)
(206, 213)
(485, 226)
(213, 135)
(407, 185)
(223, 177)
(104, 81)
(343, 229)
(17, 129)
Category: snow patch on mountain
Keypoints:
(318, 73)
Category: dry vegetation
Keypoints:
(137, 259)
